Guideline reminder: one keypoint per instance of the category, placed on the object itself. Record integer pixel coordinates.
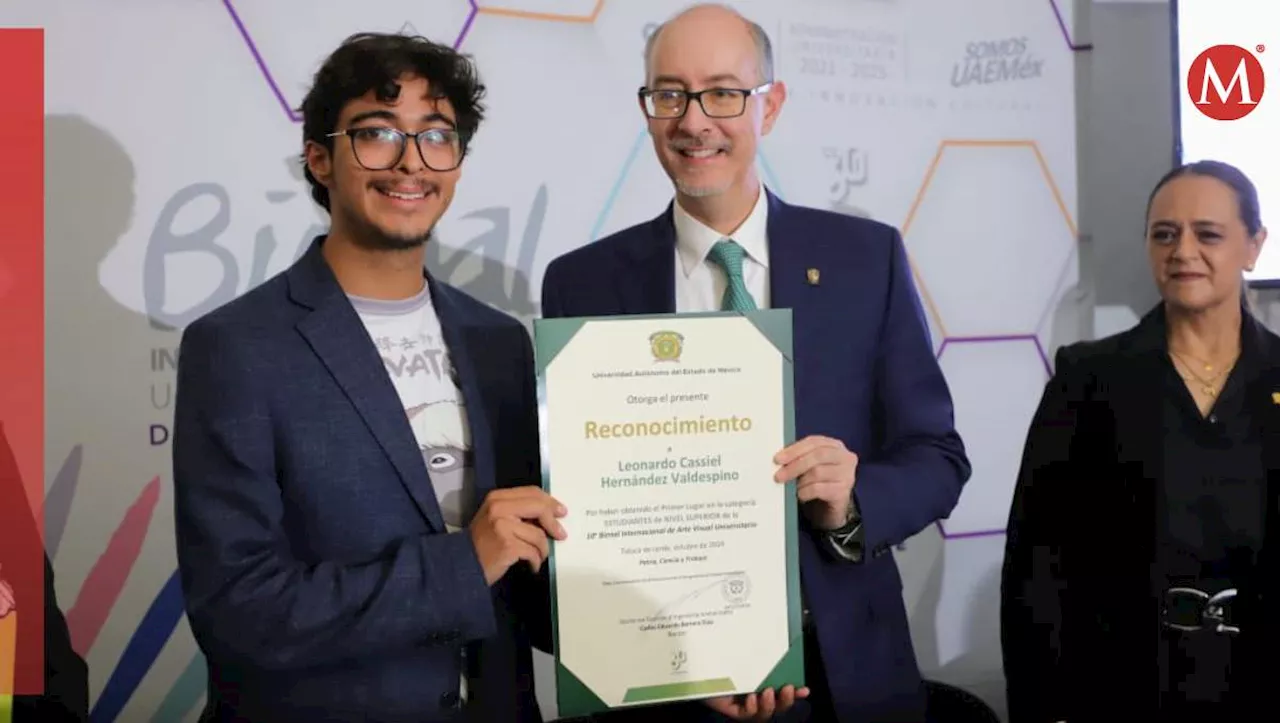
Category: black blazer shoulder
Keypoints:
(1133, 349)
(1082, 360)
(66, 690)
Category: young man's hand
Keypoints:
(514, 524)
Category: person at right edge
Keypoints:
(878, 458)
(1135, 568)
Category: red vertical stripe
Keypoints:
(22, 343)
(102, 587)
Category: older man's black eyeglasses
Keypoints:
(668, 103)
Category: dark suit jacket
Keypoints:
(61, 675)
(866, 374)
(1080, 617)
(65, 698)
(319, 579)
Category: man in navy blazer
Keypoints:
(360, 532)
(878, 458)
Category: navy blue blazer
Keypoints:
(866, 374)
(320, 582)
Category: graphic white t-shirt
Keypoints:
(408, 336)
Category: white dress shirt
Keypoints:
(700, 286)
(700, 283)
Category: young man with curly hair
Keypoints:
(336, 566)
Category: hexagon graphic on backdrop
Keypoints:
(995, 271)
(996, 382)
(563, 11)
(289, 59)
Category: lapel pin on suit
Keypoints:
(814, 276)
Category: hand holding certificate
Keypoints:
(679, 579)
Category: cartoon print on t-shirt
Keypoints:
(446, 448)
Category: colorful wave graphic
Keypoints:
(106, 580)
(100, 593)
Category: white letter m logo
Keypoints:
(1211, 75)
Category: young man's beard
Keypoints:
(375, 239)
(368, 235)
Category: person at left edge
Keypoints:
(63, 678)
(354, 439)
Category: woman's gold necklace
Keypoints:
(1209, 386)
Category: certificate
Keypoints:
(679, 579)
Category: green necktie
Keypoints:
(728, 255)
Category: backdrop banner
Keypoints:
(173, 142)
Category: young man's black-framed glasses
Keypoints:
(670, 103)
(378, 148)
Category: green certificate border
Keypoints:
(574, 698)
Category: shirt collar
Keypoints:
(694, 238)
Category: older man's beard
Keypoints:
(701, 191)
(682, 143)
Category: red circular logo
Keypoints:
(1226, 82)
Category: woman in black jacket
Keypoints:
(1134, 576)
(28, 591)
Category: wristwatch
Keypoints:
(846, 541)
